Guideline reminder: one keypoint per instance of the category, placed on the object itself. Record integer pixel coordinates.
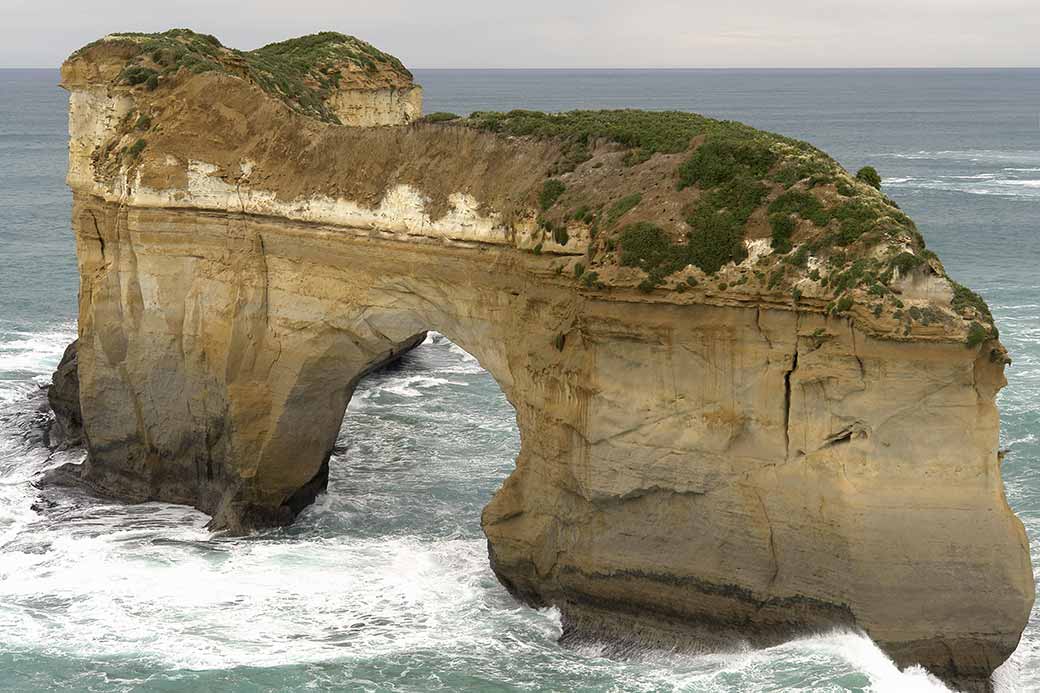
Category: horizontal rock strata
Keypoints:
(751, 403)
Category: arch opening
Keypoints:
(425, 441)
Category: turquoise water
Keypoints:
(383, 584)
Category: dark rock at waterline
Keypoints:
(31, 419)
(66, 431)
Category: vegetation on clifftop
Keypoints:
(830, 234)
(661, 193)
(302, 72)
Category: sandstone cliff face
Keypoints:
(704, 457)
(63, 399)
(364, 108)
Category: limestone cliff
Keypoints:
(751, 402)
(66, 431)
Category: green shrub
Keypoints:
(856, 219)
(136, 148)
(717, 223)
(560, 234)
(721, 158)
(583, 213)
(852, 277)
(783, 227)
(816, 170)
(977, 334)
(623, 206)
(740, 196)
(870, 176)
(136, 74)
(646, 132)
(804, 204)
(800, 258)
(440, 117)
(716, 240)
(647, 247)
(551, 191)
(143, 122)
(579, 269)
(906, 262)
(649, 284)
(963, 297)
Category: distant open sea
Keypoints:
(383, 584)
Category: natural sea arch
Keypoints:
(678, 472)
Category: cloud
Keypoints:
(576, 33)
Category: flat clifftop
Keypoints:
(676, 206)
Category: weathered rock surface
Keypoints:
(63, 397)
(748, 448)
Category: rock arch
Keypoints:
(678, 472)
(706, 453)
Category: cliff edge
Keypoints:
(751, 402)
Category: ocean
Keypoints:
(383, 584)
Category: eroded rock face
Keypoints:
(714, 463)
(63, 398)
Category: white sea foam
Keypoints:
(987, 184)
(968, 155)
(149, 584)
(413, 386)
(36, 352)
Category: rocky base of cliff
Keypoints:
(66, 431)
(620, 633)
(58, 424)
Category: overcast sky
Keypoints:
(562, 33)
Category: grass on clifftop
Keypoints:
(814, 208)
(302, 72)
(644, 133)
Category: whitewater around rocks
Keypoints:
(383, 584)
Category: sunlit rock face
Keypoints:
(703, 460)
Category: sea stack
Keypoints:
(752, 404)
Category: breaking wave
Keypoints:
(385, 579)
